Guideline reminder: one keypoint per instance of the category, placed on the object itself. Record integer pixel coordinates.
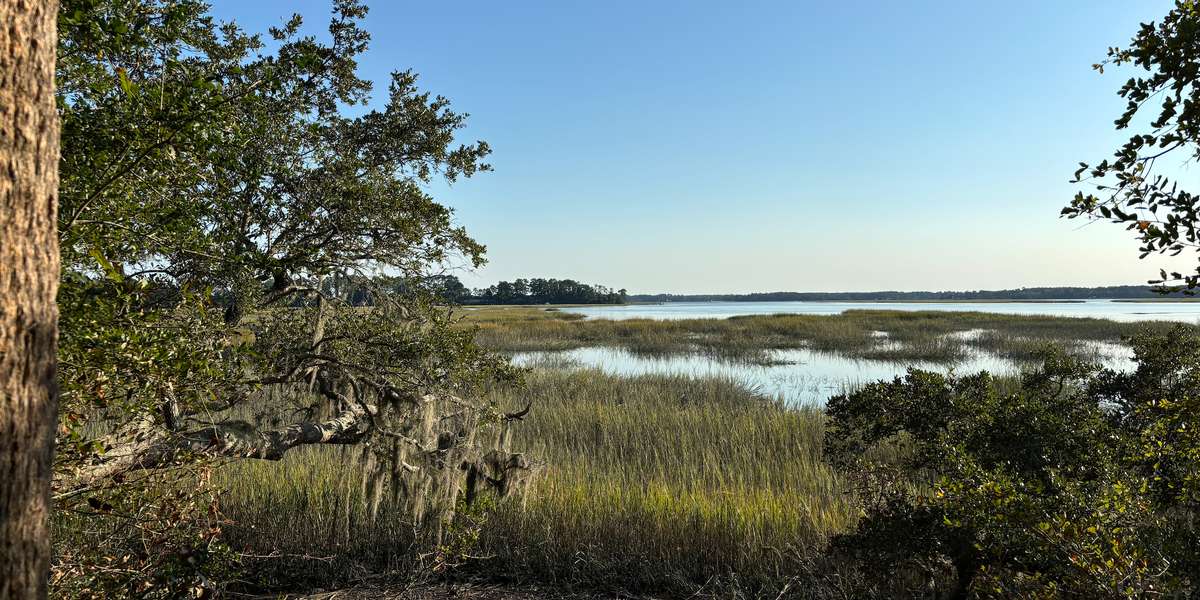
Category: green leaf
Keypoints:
(126, 84)
(109, 269)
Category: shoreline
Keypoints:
(1174, 300)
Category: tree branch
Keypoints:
(147, 445)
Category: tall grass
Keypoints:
(652, 483)
(666, 482)
(303, 523)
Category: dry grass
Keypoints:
(654, 483)
(667, 482)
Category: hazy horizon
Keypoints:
(865, 291)
(807, 291)
(702, 147)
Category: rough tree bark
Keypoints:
(28, 284)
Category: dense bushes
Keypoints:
(1082, 481)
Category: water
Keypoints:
(806, 377)
(799, 377)
(1103, 309)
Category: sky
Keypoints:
(723, 147)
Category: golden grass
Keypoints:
(663, 482)
(652, 483)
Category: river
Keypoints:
(1188, 312)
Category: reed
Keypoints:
(667, 483)
(652, 484)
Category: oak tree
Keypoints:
(28, 282)
(229, 203)
(1163, 102)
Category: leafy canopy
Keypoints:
(223, 193)
(1129, 188)
(1078, 480)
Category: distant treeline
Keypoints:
(543, 291)
(1031, 293)
(359, 291)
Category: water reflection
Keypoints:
(798, 376)
(1188, 312)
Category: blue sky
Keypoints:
(695, 146)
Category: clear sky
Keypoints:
(697, 146)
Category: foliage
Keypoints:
(219, 194)
(1083, 481)
(546, 291)
(1129, 190)
(1078, 482)
(159, 536)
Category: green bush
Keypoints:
(1082, 481)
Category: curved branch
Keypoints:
(147, 445)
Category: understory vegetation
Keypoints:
(652, 484)
(1072, 479)
(971, 485)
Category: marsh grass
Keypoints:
(653, 484)
(656, 484)
(303, 522)
(666, 483)
(934, 336)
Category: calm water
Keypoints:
(808, 377)
(801, 377)
(1104, 309)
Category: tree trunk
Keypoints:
(28, 284)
